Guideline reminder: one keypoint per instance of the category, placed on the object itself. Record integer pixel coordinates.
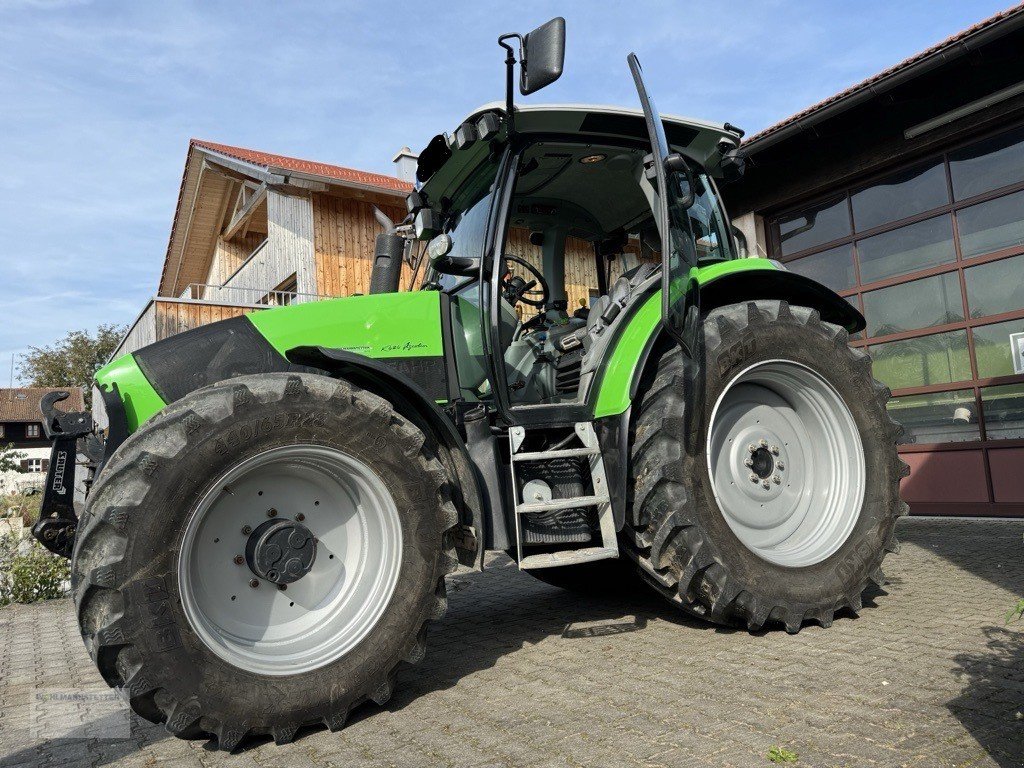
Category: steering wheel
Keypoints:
(515, 288)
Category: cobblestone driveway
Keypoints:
(928, 676)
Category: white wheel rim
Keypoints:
(329, 610)
(786, 463)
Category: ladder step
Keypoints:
(550, 506)
(568, 557)
(564, 453)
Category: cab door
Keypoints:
(672, 179)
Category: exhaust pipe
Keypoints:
(388, 253)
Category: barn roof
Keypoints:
(22, 403)
(277, 163)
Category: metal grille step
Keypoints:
(568, 557)
(569, 503)
(564, 453)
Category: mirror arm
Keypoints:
(510, 60)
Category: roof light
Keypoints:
(465, 136)
(591, 159)
(487, 126)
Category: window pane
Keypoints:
(990, 226)
(821, 224)
(908, 193)
(1004, 411)
(920, 304)
(907, 249)
(995, 287)
(989, 164)
(833, 268)
(938, 359)
(999, 349)
(943, 417)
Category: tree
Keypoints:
(10, 459)
(73, 360)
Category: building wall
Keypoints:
(229, 255)
(933, 255)
(344, 230)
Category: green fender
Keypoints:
(727, 282)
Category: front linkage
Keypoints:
(57, 523)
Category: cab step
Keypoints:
(568, 557)
(599, 498)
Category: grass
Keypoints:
(1015, 613)
(780, 755)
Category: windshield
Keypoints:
(467, 225)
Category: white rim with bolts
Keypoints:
(786, 463)
(274, 629)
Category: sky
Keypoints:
(99, 99)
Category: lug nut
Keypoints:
(753, 478)
(300, 517)
(271, 512)
(775, 450)
(239, 560)
(779, 465)
(763, 443)
(777, 480)
(765, 484)
(282, 587)
(246, 530)
(751, 448)
(748, 463)
(254, 583)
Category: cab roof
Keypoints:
(698, 139)
(442, 167)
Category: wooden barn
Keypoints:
(253, 229)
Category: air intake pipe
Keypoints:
(388, 253)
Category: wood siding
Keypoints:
(344, 233)
(166, 317)
(229, 255)
(287, 251)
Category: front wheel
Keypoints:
(262, 555)
(777, 502)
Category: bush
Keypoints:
(30, 572)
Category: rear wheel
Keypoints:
(262, 556)
(777, 502)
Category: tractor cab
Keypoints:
(549, 241)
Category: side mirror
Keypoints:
(543, 56)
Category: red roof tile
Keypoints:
(22, 403)
(268, 160)
(886, 73)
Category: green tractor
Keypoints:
(276, 499)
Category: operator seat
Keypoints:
(605, 309)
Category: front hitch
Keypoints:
(55, 529)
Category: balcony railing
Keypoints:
(166, 316)
(246, 297)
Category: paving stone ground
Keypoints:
(928, 675)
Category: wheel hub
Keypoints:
(281, 551)
(786, 463)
